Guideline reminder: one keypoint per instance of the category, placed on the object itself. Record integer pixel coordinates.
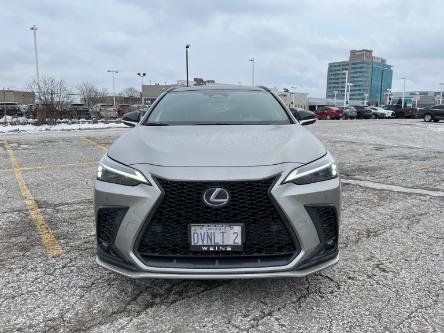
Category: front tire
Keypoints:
(428, 117)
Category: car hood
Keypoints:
(224, 145)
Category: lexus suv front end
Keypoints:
(217, 182)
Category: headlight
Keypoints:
(112, 172)
(317, 171)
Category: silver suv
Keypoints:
(217, 182)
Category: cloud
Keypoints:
(291, 41)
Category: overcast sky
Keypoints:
(291, 41)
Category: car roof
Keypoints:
(219, 87)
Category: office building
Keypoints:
(368, 78)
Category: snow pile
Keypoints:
(58, 127)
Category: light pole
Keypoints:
(114, 87)
(142, 75)
(416, 99)
(440, 95)
(345, 89)
(365, 99)
(380, 86)
(186, 59)
(294, 90)
(349, 88)
(403, 91)
(335, 92)
(34, 30)
(388, 94)
(252, 71)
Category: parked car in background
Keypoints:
(431, 113)
(329, 112)
(349, 112)
(363, 112)
(77, 111)
(402, 111)
(122, 109)
(303, 116)
(12, 109)
(381, 113)
(106, 111)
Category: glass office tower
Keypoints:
(370, 77)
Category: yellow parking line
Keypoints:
(50, 166)
(46, 235)
(96, 144)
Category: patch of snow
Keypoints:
(58, 127)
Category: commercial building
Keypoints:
(151, 91)
(367, 78)
(17, 96)
(412, 98)
(293, 99)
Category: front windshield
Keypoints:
(222, 107)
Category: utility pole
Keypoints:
(141, 75)
(186, 59)
(114, 87)
(4, 105)
(335, 92)
(252, 70)
(294, 90)
(34, 30)
(403, 92)
(345, 87)
(440, 96)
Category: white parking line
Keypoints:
(394, 188)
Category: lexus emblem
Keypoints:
(216, 197)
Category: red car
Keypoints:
(329, 112)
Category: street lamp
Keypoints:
(335, 92)
(34, 30)
(388, 94)
(252, 71)
(349, 88)
(294, 90)
(440, 96)
(186, 59)
(142, 75)
(365, 99)
(403, 91)
(345, 89)
(416, 99)
(380, 86)
(114, 87)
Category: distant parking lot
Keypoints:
(390, 276)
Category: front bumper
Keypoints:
(142, 200)
(215, 276)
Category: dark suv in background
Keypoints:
(12, 109)
(363, 112)
(431, 113)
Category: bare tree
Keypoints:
(90, 94)
(130, 92)
(53, 97)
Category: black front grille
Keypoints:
(267, 233)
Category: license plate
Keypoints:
(216, 237)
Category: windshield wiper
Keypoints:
(156, 124)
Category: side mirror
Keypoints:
(305, 117)
(131, 118)
(307, 122)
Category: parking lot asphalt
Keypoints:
(390, 276)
